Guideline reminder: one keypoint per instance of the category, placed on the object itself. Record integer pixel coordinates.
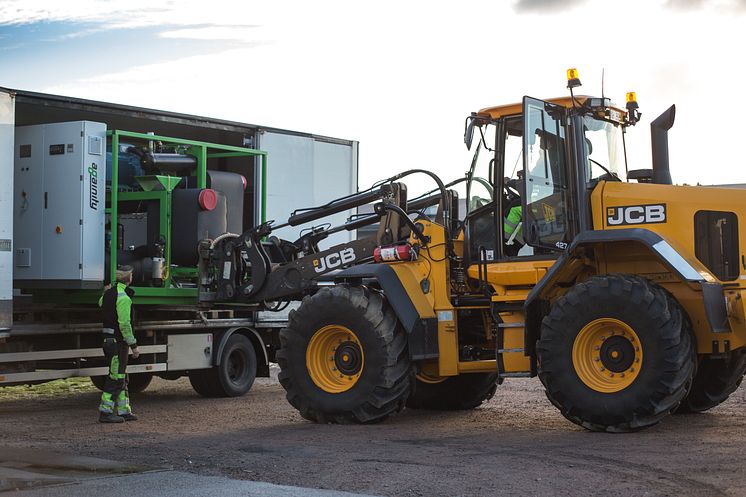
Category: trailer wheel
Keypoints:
(616, 354)
(715, 380)
(136, 383)
(235, 374)
(98, 382)
(453, 393)
(344, 358)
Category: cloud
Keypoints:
(545, 6)
(721, 5)
(20, 12)
(237, 33)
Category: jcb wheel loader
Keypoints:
(621, 292)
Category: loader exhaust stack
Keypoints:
(659, 143)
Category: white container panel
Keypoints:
(335, 175)
(306, 172)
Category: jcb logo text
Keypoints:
(636, 214)
(334, 260)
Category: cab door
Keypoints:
(546, 211)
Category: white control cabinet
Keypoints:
(59, 202)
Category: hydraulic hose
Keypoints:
(443, 195)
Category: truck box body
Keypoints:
(48, 340)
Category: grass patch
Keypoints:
(56, 387)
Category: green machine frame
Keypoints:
(159, 188)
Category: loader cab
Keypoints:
(542, 160)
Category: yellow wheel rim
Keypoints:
(334, 359)
(607, 355)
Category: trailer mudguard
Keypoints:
(262, 366)
(687, 269)
(417, 317)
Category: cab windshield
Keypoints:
(605, 150)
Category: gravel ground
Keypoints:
(517, 444)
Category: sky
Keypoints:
(398, 76)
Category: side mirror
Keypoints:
(469, 130)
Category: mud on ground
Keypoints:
(517, 444)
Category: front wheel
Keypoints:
(344, 358)
(616, 354)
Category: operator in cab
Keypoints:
(116, 307)
(513, 220)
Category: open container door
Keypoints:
(7, 129)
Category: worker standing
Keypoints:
(116, 304)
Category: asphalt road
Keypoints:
(517, 444)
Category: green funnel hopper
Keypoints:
(158, 183)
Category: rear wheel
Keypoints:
(616, 354)
(452, 393)
(344, 358)
(716, 379)
(235, 374)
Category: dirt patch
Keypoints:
(517, 444)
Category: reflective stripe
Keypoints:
(106, 405)
(108, 331)
(123, 403)
(680, 264)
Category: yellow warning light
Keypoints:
(573, 79)
(633, 114)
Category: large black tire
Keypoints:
(235, 374)
(136, 383)
(455, 393)
(379, 381)
(660, 362)
(715, 380)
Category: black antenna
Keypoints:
(602, 83)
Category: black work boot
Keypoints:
(110, 417)
(128, 416)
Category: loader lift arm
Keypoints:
(240, 268)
